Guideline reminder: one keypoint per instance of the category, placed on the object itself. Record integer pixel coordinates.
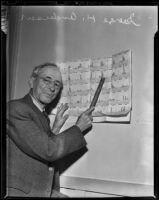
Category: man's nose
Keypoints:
(52, 86)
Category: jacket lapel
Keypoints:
(27, 99)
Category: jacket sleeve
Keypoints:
(34, 141)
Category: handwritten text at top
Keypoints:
(89, 18)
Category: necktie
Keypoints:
(46, 116)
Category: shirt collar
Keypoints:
(37, 104)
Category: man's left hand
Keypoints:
(60, 118)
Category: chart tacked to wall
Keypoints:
(81, 79)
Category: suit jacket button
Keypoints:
(50, 169)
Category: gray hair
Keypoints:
(37, 69)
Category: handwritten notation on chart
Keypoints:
(88, 18)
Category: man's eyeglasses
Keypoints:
(49, 83)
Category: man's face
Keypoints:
(47, 85)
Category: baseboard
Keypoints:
(106, 186)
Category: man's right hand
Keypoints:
(84, 121)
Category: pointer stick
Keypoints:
(97, 93)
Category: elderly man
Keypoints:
(34, 146)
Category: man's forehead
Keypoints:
(51, 71)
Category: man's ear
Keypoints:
(31, 82)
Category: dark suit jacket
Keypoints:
(33, 148)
